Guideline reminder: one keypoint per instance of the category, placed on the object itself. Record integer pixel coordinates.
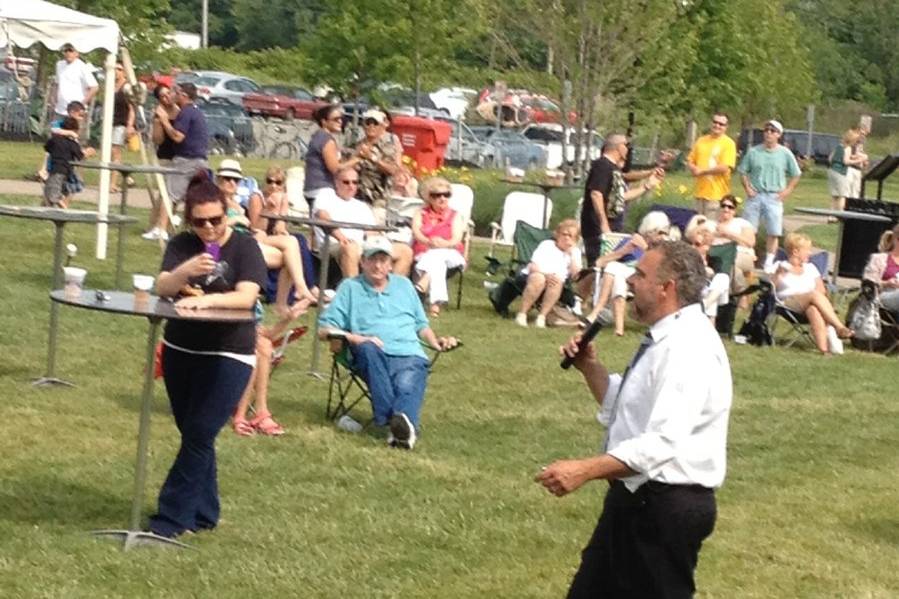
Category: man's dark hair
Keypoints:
(201, 190)
(722, 113)
(682, 264)
(189, 89)
(322, 113)
(70, 123)
(75, 106)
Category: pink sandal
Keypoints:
(242, 427)
(265, 424)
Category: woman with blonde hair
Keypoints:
(437, 232)
(700, 233)
(883, 269)
(839, 180)
(798, 285)
(551, 264)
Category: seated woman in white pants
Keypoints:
(700, 232)
(551, 264)
(437, 232)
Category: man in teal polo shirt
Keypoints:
(765, 170)
(382, 319)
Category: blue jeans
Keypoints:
(203, 392)
(765, 204)
(396, 383)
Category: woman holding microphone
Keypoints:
(206, 366)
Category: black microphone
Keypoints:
(589, 334)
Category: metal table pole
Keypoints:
(49, 377)
(322, 285)
(120, 250)
(134, 536)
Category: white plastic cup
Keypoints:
(740, 339)
(74, 281)
(142, 286)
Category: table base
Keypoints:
(46, 381)
(139, 538)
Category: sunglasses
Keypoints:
(370, 122)
(202, 222)
(339, 117)
(440, 194)
(728, 207)
(232, 179)
(770, 130)
(719, 123)
(350, 181)
(275, 181)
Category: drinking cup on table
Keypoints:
(142, 286)
(74, 281)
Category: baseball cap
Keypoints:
(776, 125)
(374, 114)
(67, 47)
(230, 168)
(377, 245)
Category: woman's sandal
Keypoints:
(265, 424)
(243, 427)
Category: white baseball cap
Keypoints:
(377, 245)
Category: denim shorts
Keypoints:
(766, 207)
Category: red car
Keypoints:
(283, 102)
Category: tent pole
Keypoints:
(106, 152)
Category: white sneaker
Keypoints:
(176, 221)
(521, 319)
(152, 234)
(540, 322)
(769, 265)
(834, 343)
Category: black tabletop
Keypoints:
(325, 224)
(130, 168)
(844, 214)
(544, 186)
(121, 302)
(63, 215)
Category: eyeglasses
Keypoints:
(350, 181)
(728, 207)
(202, 222)
(370, 122)
(719, 123)
(275, 181)
(440, 194)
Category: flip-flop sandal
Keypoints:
(266, 425)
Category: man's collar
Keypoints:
(663, 327)
(369, 288)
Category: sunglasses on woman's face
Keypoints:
(231, 179)
(202, 222)
(350, 181)
(370, 122)
(728, 207)
(275, 181)
(440, 194)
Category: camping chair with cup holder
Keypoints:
(346, 387)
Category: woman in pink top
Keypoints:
(883, 269)
(437, 232)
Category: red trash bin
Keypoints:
(424, 140)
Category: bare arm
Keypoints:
(564, 476)
(242, 298)
(600, 208)
(791, 185)
(747, 186)
(331, 158)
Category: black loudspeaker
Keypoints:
(860, 238)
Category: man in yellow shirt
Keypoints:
(711, 161)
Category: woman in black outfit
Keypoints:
(206, 366)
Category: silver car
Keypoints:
(218, 84)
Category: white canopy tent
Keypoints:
(26, 22)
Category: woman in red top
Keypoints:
(437, 245)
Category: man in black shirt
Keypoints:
(606, 194)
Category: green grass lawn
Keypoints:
(808, 508)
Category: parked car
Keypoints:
(540, 109)
(823, 144)
(465, 147)
(513, 147)
(217, 84)
(550, 136)
(282, 101)
(230, 129)
(454, 101)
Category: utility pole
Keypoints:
(204, 33)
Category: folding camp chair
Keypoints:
(798, 325)
(462, 201)
(518, 206)
(722, 259)
(346, 387)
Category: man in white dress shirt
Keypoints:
(665, 447)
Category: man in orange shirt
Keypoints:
(711, 161)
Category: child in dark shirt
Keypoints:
(63, 148)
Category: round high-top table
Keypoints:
(155, 310)
(328, 227)
(842, 216)
(126, 170)
(546, 188)
(59, 217)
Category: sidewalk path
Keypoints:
(137, 196)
